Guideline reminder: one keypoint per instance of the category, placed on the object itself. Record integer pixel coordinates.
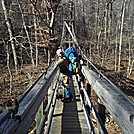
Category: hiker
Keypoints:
(62, 62)
(68, 63)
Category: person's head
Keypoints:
(59, 52)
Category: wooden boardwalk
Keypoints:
(68, 116)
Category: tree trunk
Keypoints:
(131, 67)
(105, 47)
(129, 60)
(121, 32)
(97, 28)
(8, 66)
(49, 56)
(116, 47)
(27, 34)
(51, 31)
(35, 28)
(8, 23)
(130, 45)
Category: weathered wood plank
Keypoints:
(6, 114)
(117, 103)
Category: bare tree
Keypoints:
(27, 34)
(8, 66)
(121, 32)
(10, 31)
(35, 27)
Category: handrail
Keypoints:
(116, 102)
(95, 114)
(47, 109)
(51, 111)
(6, 114)
(20, 99)
(123, 108)
(29, 103)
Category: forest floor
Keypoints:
(20, 82)
(28, 75)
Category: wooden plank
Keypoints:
(6, 120)
(117, 103)
(57, 115)
(39, 115)
(85, 112)
(4, 128)
(68, 121)
(4, 115)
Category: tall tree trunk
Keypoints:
(97, 27)
(121, 32)
(130, 46)
(8, 66)
(116, 47)
(110, 6)
(129, 60)
(50, 18)
(8, 23)
(50, 21)
(51, 25)
(105, 32)
(131, 67)
(27, 34)
(49, 55)
(105, 26)
(35, 28)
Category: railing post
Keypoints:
(101, 111)
(78, 80)
(88, 89)
(39, 116)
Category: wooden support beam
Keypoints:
(116, 102)
(39, 115)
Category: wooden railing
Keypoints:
(86, 101)
(110, 97)
(20, 118)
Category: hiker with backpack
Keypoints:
(68, 63)
(62, 62)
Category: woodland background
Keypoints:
(31, 31)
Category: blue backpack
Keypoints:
(72, 56)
